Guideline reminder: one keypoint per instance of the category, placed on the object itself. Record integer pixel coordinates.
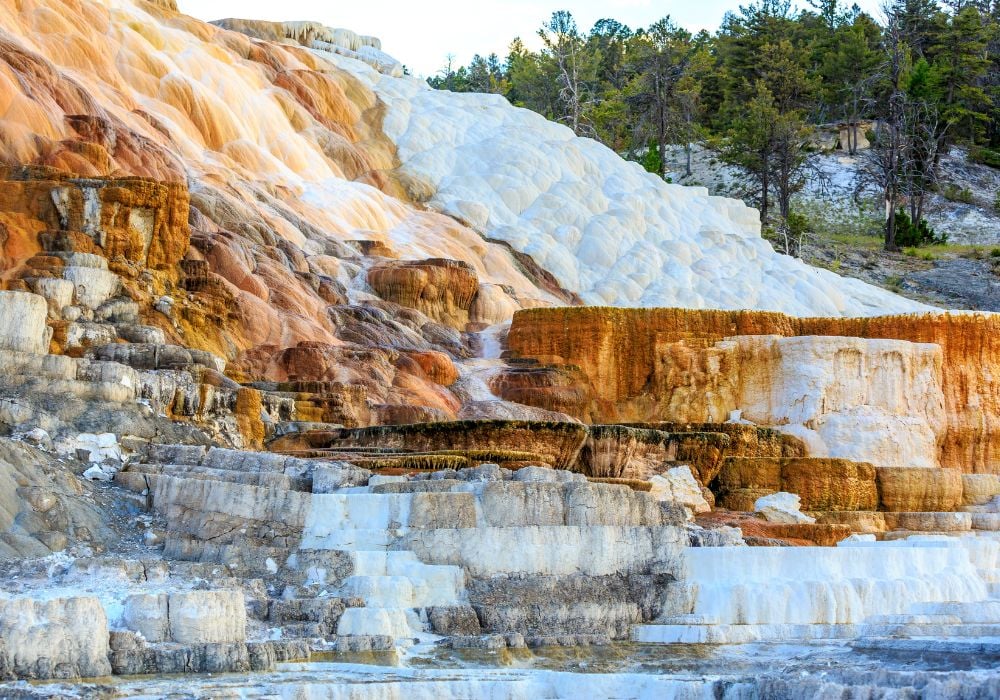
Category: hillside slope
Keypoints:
(317, 147)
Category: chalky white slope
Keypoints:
(607, 229)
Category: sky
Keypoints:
(421, 34)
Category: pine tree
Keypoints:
(960, 57)
(662, 54)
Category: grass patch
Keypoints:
(954, 193)
(920, 253)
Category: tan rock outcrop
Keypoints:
(22, 323)
(979, 489)
(906, 489)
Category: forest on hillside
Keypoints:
(918, 79)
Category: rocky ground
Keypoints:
(846, 240)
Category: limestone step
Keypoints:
(374, 622)
(138, 333)
(412, 591)
(369, 539)
(986, 521)
(992, 506)
(737, 634)
(914, 619)
(176, 454)
(304, 630)
(21, 364)
(141, 476)
(290, 427)
(907, 534)
(689, 619)
(747, 634)
(929, 522)
(324, 612)
(383, 516)
(980, 612)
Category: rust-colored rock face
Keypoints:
(442, 289)
(138, 221)
(669, 364)
(822, 484)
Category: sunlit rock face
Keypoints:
(267, 181)
(917, 390)
(278, 195)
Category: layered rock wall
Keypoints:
(671, 364)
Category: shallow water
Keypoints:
(618, 671)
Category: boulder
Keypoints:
(781, 507)
(207, 616)
(22, 323)
(680, 486)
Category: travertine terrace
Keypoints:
(302, 364)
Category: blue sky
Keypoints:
(422, 33)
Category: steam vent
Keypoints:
(317, 382)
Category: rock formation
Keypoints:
(259, 400)
(675, 365)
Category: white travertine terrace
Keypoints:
(607, 229)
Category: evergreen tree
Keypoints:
(960, 57)
(661, 56)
